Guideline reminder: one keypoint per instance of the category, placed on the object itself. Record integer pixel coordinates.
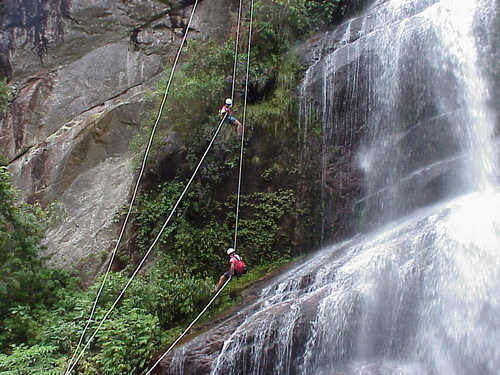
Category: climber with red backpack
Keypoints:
(237, 267)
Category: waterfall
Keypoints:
(429, 110)
(479, 124)
(401, 88)
(406, 300)
(400, 93)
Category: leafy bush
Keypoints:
(27, 286)
(260, 233)
(124, 344)
(34, 360)
(196, 240)
(323, 12)
(162, 298)
(285, 21)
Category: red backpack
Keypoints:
(239, 265)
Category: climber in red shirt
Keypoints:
(228, 108)
(237, 268)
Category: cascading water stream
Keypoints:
(420, 294)
(406, 300)
(429, 104)
(456, 24)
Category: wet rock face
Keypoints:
(22, 124)
(79, 70)
(44, 34)
(201, 355)
(82, 53)
(388, 95)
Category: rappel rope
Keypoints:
(73, 364)
(157, 238)
(136, 188)
(243, 124)
(237, 206)
(188, 328)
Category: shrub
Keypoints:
(34, 360)
(27, 286)
(124, 344)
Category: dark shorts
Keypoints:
(227, 274)
(230, 119)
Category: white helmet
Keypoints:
(230, 251)
(229, 102)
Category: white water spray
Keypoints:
(455, 22)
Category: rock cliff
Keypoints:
(79, 70)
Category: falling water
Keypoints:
(477, 126)
(418, 295)
(429, 108)
(406, 300)
(403, 90)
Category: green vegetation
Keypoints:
(5, 96)
(202, 231)
(327, 12)
(34, 360)
(26, 285)
(43, 310)
(298, 18)
(46, 311)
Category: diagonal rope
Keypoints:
(243, 132)
(122, 231)
(72, 365)
(239, 189)
(188, 328)
(150, 248)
